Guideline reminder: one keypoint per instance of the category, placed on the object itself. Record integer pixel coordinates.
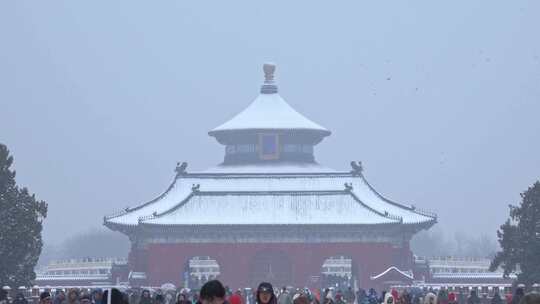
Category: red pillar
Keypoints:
(138, 258)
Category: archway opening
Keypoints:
(199, 270)
(338, 273)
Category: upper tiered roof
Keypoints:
(269, 111)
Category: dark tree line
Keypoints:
(519, 238)
(21, 217)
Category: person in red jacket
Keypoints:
(236, 298)
(394, 294)
(452, 298)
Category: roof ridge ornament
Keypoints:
(181, 168)
(269, 86)
(357, 168)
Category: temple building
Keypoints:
(454, 272)
(81, 272)
(269, 211)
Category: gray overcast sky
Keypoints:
(439, 99)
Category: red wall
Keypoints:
(166, 262)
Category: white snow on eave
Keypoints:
(371, 198)
(408, 275)
(269, 111)
(179, 192)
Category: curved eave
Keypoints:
(109, 222)
(431, 215)
(399, 220)
(269, 112)
(417, 226)
(107, 219)
(153, 225)
(123, 228)
(126, 228)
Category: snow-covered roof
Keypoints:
(273, 193)
(269, 198)
(269, 112)
(270, 208)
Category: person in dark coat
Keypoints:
(116, 297)
(73, 296)
(496, 298)
(213, 292)
(383, 297)
(361, 296)
(372, 296)
(20, 299)
(265, 294)
(182, 299)
(518, 295)
(60, 297)
(3, 296)
(159, 299)
(301, 299)
(473, 298)
(85, 299)
(45, 298)
(97, 296)
(405, 297)
(145, 297)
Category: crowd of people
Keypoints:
(213, 292)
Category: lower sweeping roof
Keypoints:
(236, 197)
